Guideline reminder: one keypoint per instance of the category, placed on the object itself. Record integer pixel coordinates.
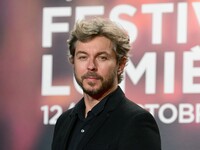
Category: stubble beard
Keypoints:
(106, 83)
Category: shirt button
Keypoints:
(82, 130)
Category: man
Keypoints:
(104, 119)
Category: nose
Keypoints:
(92, 65)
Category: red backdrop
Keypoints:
(36, 80)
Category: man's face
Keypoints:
(95, 66)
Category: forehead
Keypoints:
(99, 43)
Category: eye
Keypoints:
(102, 57)
(81, 56)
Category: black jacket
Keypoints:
(122, 125)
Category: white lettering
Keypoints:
(197, 113)
(173, 117)
(130, 27)
(147, 65)
(151, 108)
(189, 71)
(157, 11)
(47, 88)
(182, 23)
(186, 113)
(169, 72)
(49, 27)
(81, 12)
(196, 6)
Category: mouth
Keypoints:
(92, 77)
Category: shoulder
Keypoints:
(135, 115)
(139, 125)
(65, 114)
(63, 119)
(124, 108)
(131, 108)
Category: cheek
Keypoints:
(79, 68)
(108, 69)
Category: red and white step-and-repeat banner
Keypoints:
(37, 83)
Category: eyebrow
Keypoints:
(99, 53)
(80, 52)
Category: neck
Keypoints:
(91, 101)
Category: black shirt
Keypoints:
(83, 124)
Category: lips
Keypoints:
(91, 77)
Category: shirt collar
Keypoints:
(80, 107)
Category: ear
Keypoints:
(122, 65)
(71, 60)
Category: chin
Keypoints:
(92, 90)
